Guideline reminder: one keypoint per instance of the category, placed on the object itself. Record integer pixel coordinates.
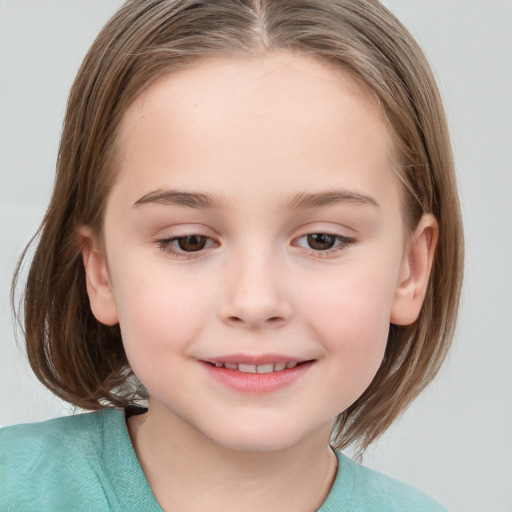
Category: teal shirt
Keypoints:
(87, 463)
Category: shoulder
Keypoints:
(42, 460)
(358, 488)
(28, 442)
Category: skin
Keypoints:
(255, 136)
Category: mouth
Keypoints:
(257, 375)
(258, 368)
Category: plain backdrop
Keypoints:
(455, 442)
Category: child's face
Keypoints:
(255, 220)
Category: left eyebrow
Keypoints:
(329, 198)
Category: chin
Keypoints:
(264, 436)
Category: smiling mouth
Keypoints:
(258, 368)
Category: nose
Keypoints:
(255, 295)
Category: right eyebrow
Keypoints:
(177, 198)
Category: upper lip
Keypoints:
(254, 359)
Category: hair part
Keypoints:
(82, 360)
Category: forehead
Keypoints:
(297, 83)
(224, 121)
(261, 78)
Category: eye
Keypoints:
(324, 242)
(191, 243)
(181, 245)
(321, 241)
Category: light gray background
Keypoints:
(455, 442)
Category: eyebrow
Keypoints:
(298, 201)
(329, 198)
(177, 198)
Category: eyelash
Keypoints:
(342, 241)
(166, 245)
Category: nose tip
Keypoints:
(255, 298)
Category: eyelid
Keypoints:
(345, 243)
(165, 245)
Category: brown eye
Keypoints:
(321, 241)
(192, 243)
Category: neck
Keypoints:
(188, 471)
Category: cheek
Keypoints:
(158, 312)
(350, 316)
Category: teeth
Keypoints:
(247, 368)
(260, 368)
(265, 368)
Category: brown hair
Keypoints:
(83, 361)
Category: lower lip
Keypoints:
(257, 383)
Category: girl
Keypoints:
(253, 221)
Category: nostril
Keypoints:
(236, 320)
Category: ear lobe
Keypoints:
(415, 272)
(97, 279)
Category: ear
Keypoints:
(415, 272)
(99, 288)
